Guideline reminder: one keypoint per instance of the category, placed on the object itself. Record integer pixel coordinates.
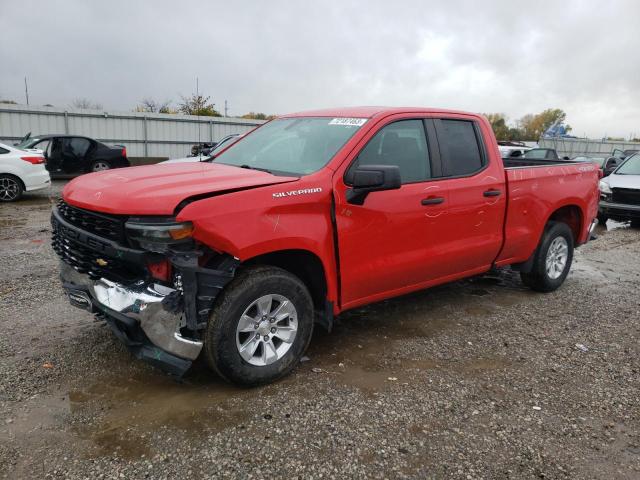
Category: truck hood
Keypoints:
(623, 181)
(158, 189)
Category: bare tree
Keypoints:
(148, 104)
(86, 104)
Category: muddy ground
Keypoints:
(477, 379)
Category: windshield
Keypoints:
(630, 167)
(297, 146)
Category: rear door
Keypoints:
(74, 150)
(471, 233)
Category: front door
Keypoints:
(390, 242)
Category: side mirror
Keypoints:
(371, 178)
(611, 164)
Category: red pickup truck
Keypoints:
(309, 215)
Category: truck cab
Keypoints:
(309, 215)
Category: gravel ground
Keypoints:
(477, 379)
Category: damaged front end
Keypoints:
(145, 277)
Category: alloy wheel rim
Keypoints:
(266, 330)
(100, 166)
(557, 257)
(9, 189)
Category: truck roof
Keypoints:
(368, 112)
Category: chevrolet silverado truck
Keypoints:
(307, 216)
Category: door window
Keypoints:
(402, 144)
(459, 147)
(76, 146)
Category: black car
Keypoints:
(68, 154)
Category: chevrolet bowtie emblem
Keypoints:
(101, 262)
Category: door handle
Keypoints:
(492, 193)
(432, 201)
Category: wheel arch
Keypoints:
(308, 267)
(573, 216)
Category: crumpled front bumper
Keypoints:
(140, 314)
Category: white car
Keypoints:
(620, 193)
(21, 171)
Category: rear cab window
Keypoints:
(460, 144)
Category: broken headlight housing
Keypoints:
(156, 235)
(605, 190)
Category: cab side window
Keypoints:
(402, 144)
(459, 147)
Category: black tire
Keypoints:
(11, 188)
(538, 279)
(635, 223)
(602, 219)
(100, 166)
(221, 351)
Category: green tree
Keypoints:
(198, 105)
(533, 126)
(498, 123)
(501, 129)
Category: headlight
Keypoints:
(156, 235)
(604, 187)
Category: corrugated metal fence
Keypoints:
(144, 134)
(573, 147)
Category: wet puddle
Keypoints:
(133, 409)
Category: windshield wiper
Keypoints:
(256, 168)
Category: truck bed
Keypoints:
(537, 187)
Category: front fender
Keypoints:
(268, 219)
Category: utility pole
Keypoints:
(226, 109)
(26, 89)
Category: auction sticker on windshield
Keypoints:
(351, 122)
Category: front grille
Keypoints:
(628, 196)
(101, 224)
(91, 262)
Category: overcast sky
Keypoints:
(282, 56)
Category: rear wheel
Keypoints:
(552, 260)
(11, 188)
(100, 165)
(635, 223)
(260, 327)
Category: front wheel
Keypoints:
(260, 327)
(552, 260)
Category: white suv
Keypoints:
(21, 171)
